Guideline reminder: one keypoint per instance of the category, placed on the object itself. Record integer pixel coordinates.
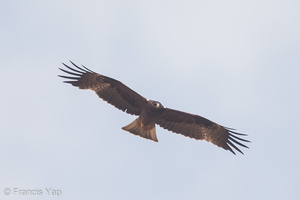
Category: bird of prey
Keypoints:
(152, 112)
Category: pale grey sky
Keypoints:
(234, 62)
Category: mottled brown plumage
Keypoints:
(152, 112)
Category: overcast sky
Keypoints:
(234, 62)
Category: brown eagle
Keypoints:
(152, 112)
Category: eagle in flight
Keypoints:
(152, 112)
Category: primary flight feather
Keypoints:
(152, 112)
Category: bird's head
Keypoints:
(156, 105)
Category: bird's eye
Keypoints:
(157, 105)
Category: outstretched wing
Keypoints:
(110, 90)
(199, 128)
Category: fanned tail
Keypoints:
(137, 128)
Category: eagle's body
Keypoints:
(152, 112)
(144, 125)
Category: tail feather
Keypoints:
(137, 128)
